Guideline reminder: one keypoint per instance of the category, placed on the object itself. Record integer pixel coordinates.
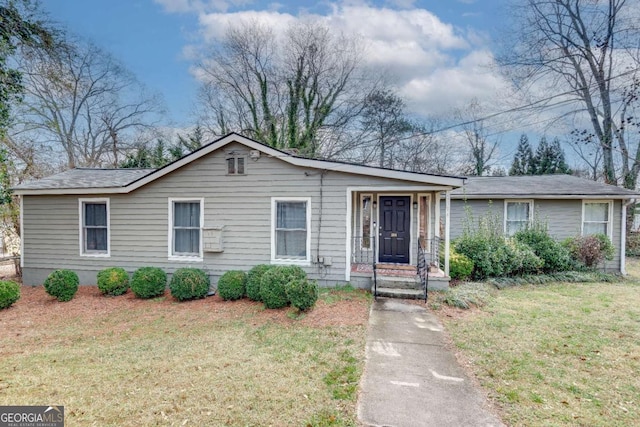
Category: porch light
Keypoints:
(415, 205)
(375, 204)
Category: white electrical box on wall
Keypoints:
(212, 238)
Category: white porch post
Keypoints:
(447, 214)
(436, 215)
(348, 231)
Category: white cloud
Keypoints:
(435, 66)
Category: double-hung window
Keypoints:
(517, 215)
(185, 233)
(235, 165)
(596, 217)
(290, 237)
(94, 227)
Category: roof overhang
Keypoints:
(326, 165)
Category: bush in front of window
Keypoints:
(253, 281)
(273, 286)
(302, 293)
(590, 250)
(62, 284)
(556, 257)
(148, 282)
(189, 283)
(9, 293)
(113, 281)
(232, 285)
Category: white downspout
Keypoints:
(623, 237)
(21, 232)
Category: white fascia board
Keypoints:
(541, 196)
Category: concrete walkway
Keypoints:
(411, 378)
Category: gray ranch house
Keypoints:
(568, 205)
(233, 204)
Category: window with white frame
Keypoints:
(596, 217)
(517, 215)
(365, 220)
(94, 227)
(186, 228)
(291, 230)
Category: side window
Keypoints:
(186, 228)
(517, 216)
(596, 218)
(94, 227)
(291, 231)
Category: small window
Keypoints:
(235, 165)
(596, 218)
(94, 233)
(186, 228)
(517, 216)
(290, 236)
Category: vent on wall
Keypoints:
(212, 238)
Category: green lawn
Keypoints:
(146, 363)
(558, 354)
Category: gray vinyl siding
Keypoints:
(139, 221)
(563, 218)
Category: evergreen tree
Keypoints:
(549, 158)
(522, 161)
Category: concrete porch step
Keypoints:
(400, 293)
(398, 282)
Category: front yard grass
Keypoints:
(127, 362)
(557, 354)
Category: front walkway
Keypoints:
(411, 378)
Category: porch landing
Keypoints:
(401, 280)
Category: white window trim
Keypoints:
(362, 196)
(81, 203)
(185, 258)
(274, 215)
(506, 203)
(609, 216)
(235, 158)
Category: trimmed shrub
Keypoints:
(113, 281)
(555, 256)
(189, 283)
(520, 259)
(253, 280)
(232, 285)
(302, 293)
(633, 244)
(9, 293)
(460, 266)
(273, 285)
(62, 284)
(148, 282)
(590, 250)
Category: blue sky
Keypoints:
(444, 60)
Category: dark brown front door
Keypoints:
(395, 226)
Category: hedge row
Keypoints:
(275, 286)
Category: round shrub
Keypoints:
(590, 250)
(113, 281)
(232, 285)
(460, 266)
(273, 286)
(253, 280)
(555, 256)
(62, 284)
(9, 293)
(148, 282)
(189, 283)
(302, 293)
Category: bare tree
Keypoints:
(481, 151)
(82, 103)
(585, 52)
(288, 91)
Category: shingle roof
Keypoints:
(87, 178)
(538, 186)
